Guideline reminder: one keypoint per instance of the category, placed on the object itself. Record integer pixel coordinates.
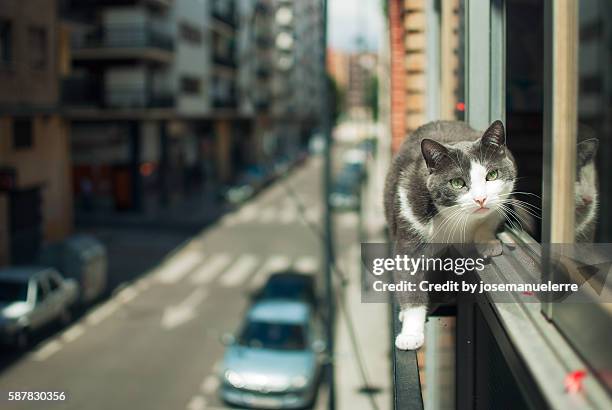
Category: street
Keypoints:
(156, 343)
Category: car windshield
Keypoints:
(11, 291)
(279, 336)
(290, 289)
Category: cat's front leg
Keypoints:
(485, 241)
(412, 335)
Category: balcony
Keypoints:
(224, 60)
(224, 11)
(86, 92)
(71, 5)
(124, 42)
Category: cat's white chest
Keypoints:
(452, 228)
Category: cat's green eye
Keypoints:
(457, 183)
(492, 175)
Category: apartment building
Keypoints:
(410, 51)
(281, 74)
(152, 100)
(361, 73)
(35, 188)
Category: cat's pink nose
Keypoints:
(587, 200)
(480, 201)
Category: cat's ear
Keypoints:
(587, 150)
(433, 152)
(494, 136)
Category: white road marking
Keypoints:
(239, 271)
(210, 385)
(127, 294)
(306, 264)
(47, 350)
(313, 214)
(211, 269)
(267, 215)
(273, 264)
(185, 311)
(348, 220)
(73, 333)
(101, 313)
(197, 403)
(143, 284)
(288, 215)
(247, 213)
(179, 266)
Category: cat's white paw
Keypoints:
(407, 341)
(489, 248)
(401, 315)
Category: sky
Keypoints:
(350, 18)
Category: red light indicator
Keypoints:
(573, 381)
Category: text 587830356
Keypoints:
(36, 396)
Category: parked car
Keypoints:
(346, 192)
(289, 285)
(275, 361)
(32, 298)
(83, 258)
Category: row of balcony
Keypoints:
(85, 92)
(125, 36)
(224, 11)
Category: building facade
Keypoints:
(280, 55)
(152, 100)
(35, 185)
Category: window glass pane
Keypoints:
(6, 40)
(593, 190)
(524, 106)
(22, 134)
(37, 47)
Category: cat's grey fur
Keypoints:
(418, 196)
(586, 187)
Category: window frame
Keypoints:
(38, 36)
(530, 337)
(190, 85)
(17, 143)
(6, 53)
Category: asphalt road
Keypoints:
(155, 344)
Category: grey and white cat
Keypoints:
(586, 198)
(448, 183)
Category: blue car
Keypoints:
(275, 360)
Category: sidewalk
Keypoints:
(370, 320)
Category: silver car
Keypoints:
(31, 298)
(275, 361)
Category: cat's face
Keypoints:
(585, 186)
(471, 178)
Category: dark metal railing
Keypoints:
(69, 5)
(81, 91)
(406, 381)
(138, 97)
(228, 15)
(87, 92)
(126, 36)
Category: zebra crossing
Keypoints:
(227, 270)
(284, 213)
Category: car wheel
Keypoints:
(65, 317)
(22, 339)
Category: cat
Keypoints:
(448, 183)
(586, 198)
(586, 193)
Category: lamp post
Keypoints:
(327, 226)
